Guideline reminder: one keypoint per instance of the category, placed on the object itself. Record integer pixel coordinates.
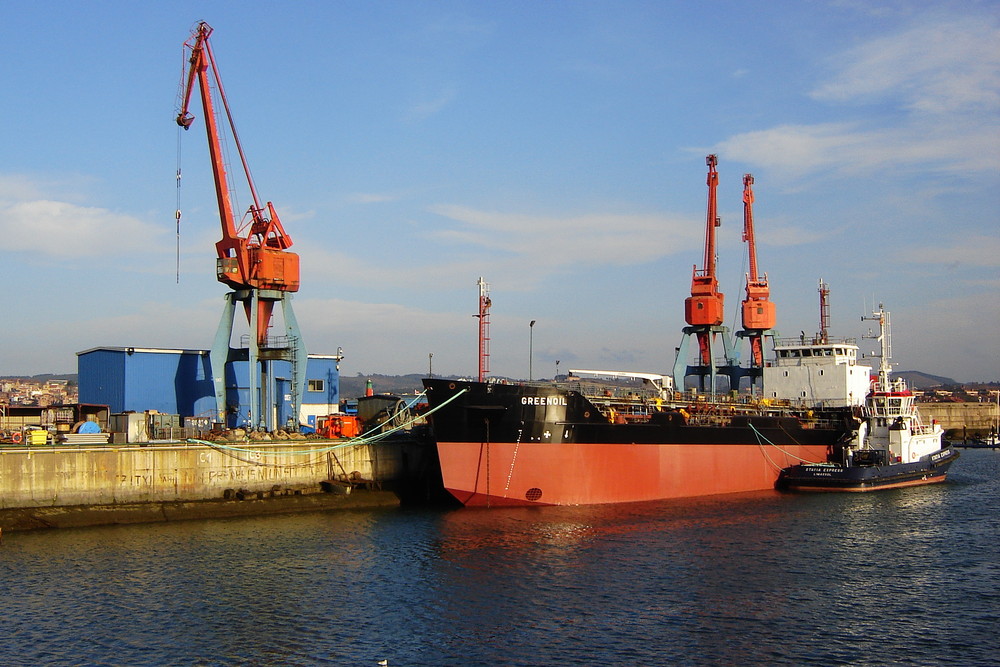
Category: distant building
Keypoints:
(133, 379)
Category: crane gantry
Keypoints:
(252, 257)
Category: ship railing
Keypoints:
(814, 340)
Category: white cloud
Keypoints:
(974, 251)
(63, 229)
(936, 67)
(609, 238)
(942, 81)
(799, 150)
(432, 105)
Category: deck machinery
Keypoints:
(253, 259)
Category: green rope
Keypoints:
(363, 439)
(760, 437)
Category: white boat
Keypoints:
(891, 447)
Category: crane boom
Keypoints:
(259, 259)
(748, 226)
(758, 309)
(705, 305)
(712, 219)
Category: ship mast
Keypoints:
(884, 337)
(824, 313)
(484, 328)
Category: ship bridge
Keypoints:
(796, 351)
(817, 372)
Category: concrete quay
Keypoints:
(53, 486)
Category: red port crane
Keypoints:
(705, 306)
(704, 310)
(758, 310)
(253, 257)
(260, 259)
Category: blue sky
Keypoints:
(557, 149)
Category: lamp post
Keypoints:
(430, 365)
(531, 341)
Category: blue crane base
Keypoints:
(289, 348)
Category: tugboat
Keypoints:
(891, 447)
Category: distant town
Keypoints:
(42, 391)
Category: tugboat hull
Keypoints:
(930, 469)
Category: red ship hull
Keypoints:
(506, 474)
(503, 444)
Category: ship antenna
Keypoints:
(824, 312)
(884, 338)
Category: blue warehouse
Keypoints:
(136, 379)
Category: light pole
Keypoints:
(531, 341)
(555, 378)
(430, 365)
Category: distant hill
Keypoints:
(919, 380)
(354, 386)
(43, 377)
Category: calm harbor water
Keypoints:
(910, 576)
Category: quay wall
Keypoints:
(47, 476)
(973, 417)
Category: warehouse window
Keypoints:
(317, 385)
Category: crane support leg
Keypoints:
(707, 337)
(219, 356)
(298, 358)
(256, 416)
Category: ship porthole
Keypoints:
(451, 385)
(586, 413)
(533, 494)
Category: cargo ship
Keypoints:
(616, 436)
(891, 448)
(532, 444)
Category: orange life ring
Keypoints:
(16, 437)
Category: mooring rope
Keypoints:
(761, 439)
(363, 439)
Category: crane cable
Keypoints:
(177, 212)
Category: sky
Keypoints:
(556, 149)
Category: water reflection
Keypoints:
(760, 578)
